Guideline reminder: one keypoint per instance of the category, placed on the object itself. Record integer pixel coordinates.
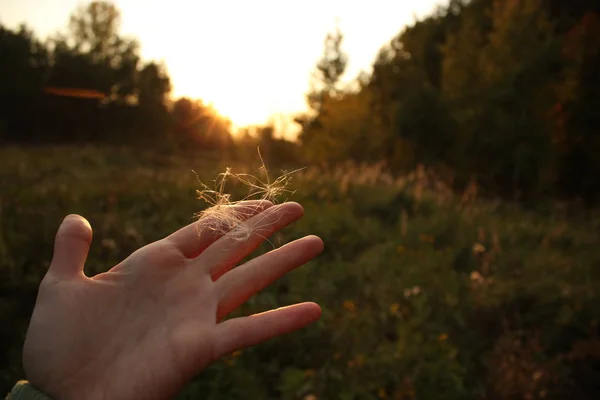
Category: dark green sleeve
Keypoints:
(23, 390)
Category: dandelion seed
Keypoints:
(267, 190)
(222, 217)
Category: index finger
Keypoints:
(193, 239)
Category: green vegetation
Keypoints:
(431, 287)
(426, 294)
(502, 92)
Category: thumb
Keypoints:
(71, 246)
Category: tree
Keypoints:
(154, 85)
(405, 91)
(328, 71)
(332, 65)
(198, 123)
(517, 68)
(577, 120)
(23, 70)
(324, 90)
(94, 55)
(87, 84)
(94, 30)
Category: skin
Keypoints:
(148, 325)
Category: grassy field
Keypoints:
(426, 294)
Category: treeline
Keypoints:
(89, 84)
(505, 93)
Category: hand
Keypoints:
(147, 326)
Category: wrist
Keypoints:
(23, 390)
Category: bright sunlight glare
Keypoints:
(250, 59)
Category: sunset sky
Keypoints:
(250, 58)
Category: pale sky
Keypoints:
(250, 58)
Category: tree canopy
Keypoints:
(498, 92)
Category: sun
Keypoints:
(241, 112)
(233, 97)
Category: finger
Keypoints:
(193, 239)
(227, 251)
(71, 247)
(239, 284)
(237, 333)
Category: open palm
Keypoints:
(147, 326)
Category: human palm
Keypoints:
(148, 325)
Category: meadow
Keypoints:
(426, 293)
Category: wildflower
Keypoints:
(443, 337)
(426, 238)
(478, 248)
(132, 232)
(349, 305)
(413, 291)
(360, 360)
(394, 308)
(309, 373)
(109, 243)
(477, 277)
